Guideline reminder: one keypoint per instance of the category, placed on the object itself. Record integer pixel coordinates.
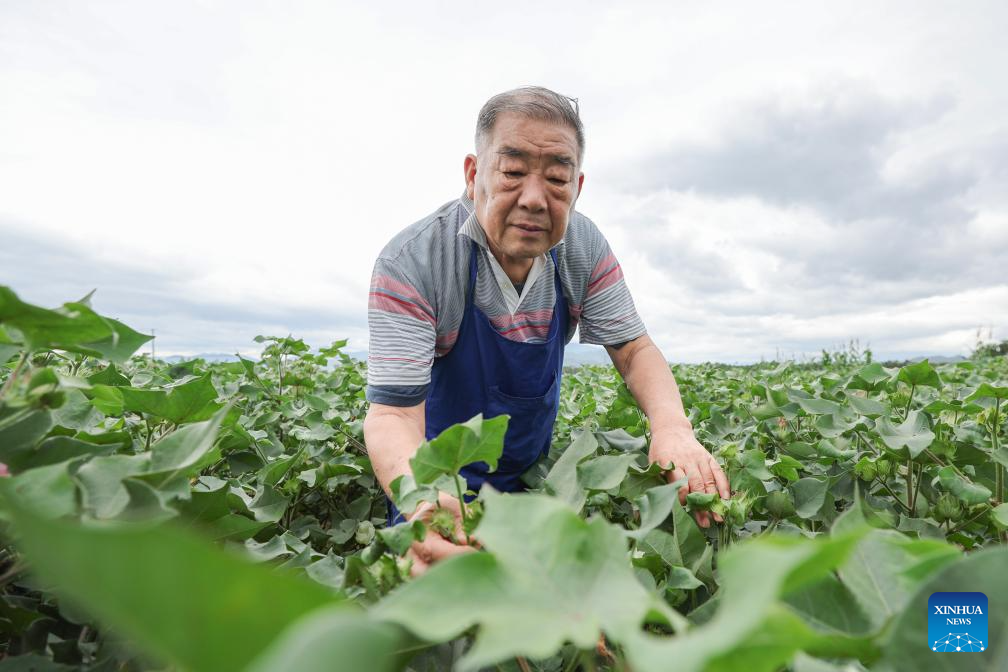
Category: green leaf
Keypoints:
(753, 628)
(999, 515)
(192, 401)
(604, 472)
(921, 374)
(74, 327)
(174, 596)
(914, 433)
(906, 647)
(809, 495)
(186, 450)
(655, 505)
(476, 440)
(548, 577)
(886, 568)
(562, 479)
(49, 490)
(968, 492)
(334, 639)
(20, 431)
(620, 439)
(987, 391)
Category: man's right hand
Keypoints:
(435, 547)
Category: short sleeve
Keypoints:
(608, 314)
(401, 326)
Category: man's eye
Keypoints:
(512, 173)
(558, 180)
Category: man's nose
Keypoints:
(533, 196)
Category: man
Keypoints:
(470, 309)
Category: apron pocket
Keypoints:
(529, 429)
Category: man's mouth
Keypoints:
(529, 228)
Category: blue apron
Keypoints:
(487, 373)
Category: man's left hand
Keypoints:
(691, 460)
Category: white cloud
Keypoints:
(246, 162)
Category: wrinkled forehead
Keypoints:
(527, 138)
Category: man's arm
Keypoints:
(392, 435)
(647, 375)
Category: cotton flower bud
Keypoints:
(883, 468)
(947, 508)
(865, 469)
(779, 504)
(443, 522)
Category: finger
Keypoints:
(678, 473)
(710, 487)
(696, 485)
(724, 489)
(418, 567)
(439, 548)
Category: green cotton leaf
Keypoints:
(620, 439)
(754, 463)
(145, 503)
(886, 568)
(905, 646)
(548, 577)
(987, 391)
(74, 327)
(754, 628)
(269, 505)
(109, 376)
(968, 492)
(874, 373)
(48, 491)
(400, 537)
(999, 516)
(682, 578)
(562, 479)
(192, 401)
(866, 407)
(921, 374)
(476, 440)
(407, 495)
(100, 480)
(186, 450)
(57, 449)
(914, 434)
(20, 431)
(829, 606)
(604, 472)
(817, 406)
(809, 495)
(172, 595)
(655, 506)
(334, 639)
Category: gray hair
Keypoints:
(533, 102)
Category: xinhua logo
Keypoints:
(957, 622)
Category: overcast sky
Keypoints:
(774, 177)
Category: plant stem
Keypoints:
(462, 504)
(14, 374)
(995, 426)
(909, 484)
(894, 495)
(967, 522)
(906, 412)
(523, 664)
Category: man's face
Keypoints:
(524, 184)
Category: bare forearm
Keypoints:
(647, 375)
(392, 438)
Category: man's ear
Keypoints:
(580, 184)
(469, 168)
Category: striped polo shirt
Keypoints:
(418, 288)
